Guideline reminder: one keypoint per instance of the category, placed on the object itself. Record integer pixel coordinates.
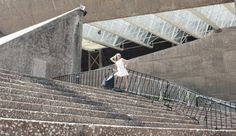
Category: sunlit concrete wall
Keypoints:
(44, 52)
(207, 65)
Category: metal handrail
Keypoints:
(175, 97)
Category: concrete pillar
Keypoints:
(77, 42)
(235, 4)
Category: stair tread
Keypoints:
(110, 93)
(99, 90)
(84, 95)
(22, 98)
(78, 100)
(36, 115)
(32, 98)
(78, 111)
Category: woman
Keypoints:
(121, 65)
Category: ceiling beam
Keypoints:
(91, 46)
(89, 33)
(204, 18)
(178, 25)
(120, 34)
(150, 30)
(230, 7)
(103, 43)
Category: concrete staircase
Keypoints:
(37, 106)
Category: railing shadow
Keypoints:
(64, 90)
(175, 97)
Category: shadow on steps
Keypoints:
(51, 84)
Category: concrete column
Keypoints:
(77, 42)
(235, 4)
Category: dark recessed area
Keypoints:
(132, 50)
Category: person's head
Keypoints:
(118, 56)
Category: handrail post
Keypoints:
(230, 114)
(130, 80)
(188, 97)
(226, 116)
(211, 112)
(161, 92)
(216, 114)
(206, 114)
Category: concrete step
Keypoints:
(214, 114)
(5, 71)
(84, 112)
(83, 94)
(17, 127)
(221, 122)
(46, 116)
(44, 89)
(71, 87)
(108, 108)
(75, 92)
(83, 100)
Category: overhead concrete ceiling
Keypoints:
(171, 26)
(91, 46)
(18, 14)
(149, 29)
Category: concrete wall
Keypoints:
(18, 14)
(44, 52)
(207, 65)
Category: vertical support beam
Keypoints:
(235, 5)
(89, 60)
(100, 58)
(94, 59)
(77, 42)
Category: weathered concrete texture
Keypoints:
(18, 14)
(11, 127)
(45, 51)
(39, 106)
(235, 3)
(207, 65)
(77, 43)
(35, 128)
(1, 34)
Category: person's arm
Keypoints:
(113, 59)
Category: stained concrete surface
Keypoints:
(207, 65)
(25, 127)
(44, 52)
